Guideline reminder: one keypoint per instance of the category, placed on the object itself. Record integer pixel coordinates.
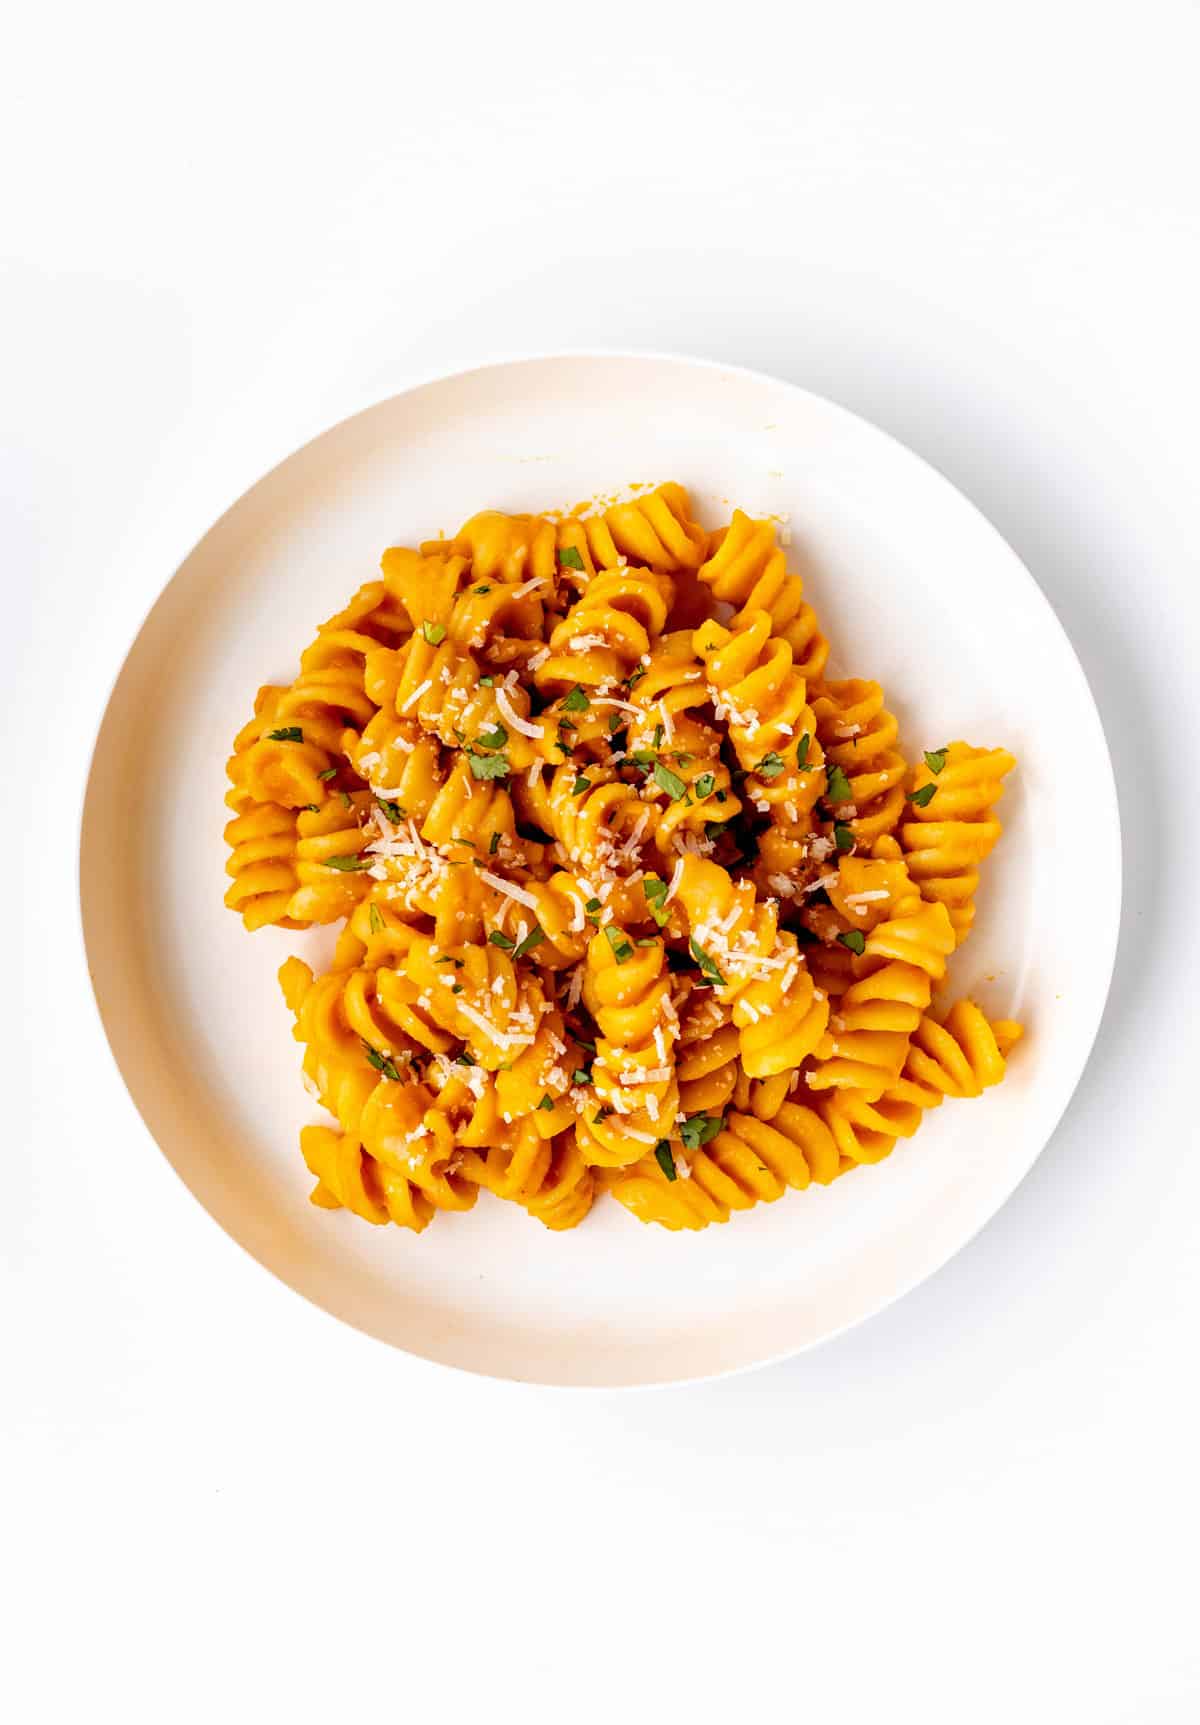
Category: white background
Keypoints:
(222, 228)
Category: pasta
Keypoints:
(634, 899)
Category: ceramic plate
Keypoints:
(913, 587)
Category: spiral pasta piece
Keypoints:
(608, 631)
(858, 734)
(627, 989)
(262, 861)
(747, 569)
(950, 828)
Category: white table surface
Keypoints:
(223, 229)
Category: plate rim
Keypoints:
(1108, 827)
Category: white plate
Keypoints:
(914, 588)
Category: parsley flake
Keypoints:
(433, 632)
(924, 796)
(935, 760)
(488, 766)
(395, 812)
(494, 739)
(837, 788)
(576, 701)
(665, 1160)
(287, 734)
(770, 766)
(705, 785)
(347, 864)
(582, 783)
(802, 748)
(843, 837)
(854, 939)
(656, 897)
(621, 948)
(375, 919)
(707, 968)
(569, 558)
(535, 937)
(547, 1101)
(493, 844)
(700, 1129)
(381, 1062)
(670, 782)
(329, 773)
(498, 939)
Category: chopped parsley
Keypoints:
(648, 940)
(924, 796)
(700, 1129)
(375, 919)
(535, 937)
(854, 939)
(656, 740)
(935, 760)
(395, 812)
(592, 904)
(486, 682)
(547, 1101)
(802, 748)
(287, 734)
(329, 773)
(347, 864)
(463, 1059)
(498, 939)
(582, 783)
(707, 968)
(381, 1062)
(487, 766)
(493, 844)
(345, 796)
(704, 785)
(576, 701)
(837, 788)
(484, 589)
(569, 558)
(670, 782)
(843, 837)
(635, 677)
(494, 739)
(433, 632)
(656, 897)
(665, 1160)
(770, 766)
(581, 1076)
(621, 948)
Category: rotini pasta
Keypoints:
(633, 897)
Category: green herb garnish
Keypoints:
(348, 864)
(843, 837)
(581, 1076)
(495, 739)
(582, 783)
(463, 1059)
(935, 760)
(656, 897)
(770, 766)
(704, 786)
(837, 788)
(375, 919)
(802, 750)
(498, 939)
(854, 939)
(287, 734)
(670, 782)
(700, 1129)
(329, 773)
(621, 948)
(569, 558)
(592, 904)
(924, 796)
(395, 812)
(707, 968)
(487, 766)
(547, 1101)
(535, 937)
(381, 1062)
(576, 701)
(665, 1160)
